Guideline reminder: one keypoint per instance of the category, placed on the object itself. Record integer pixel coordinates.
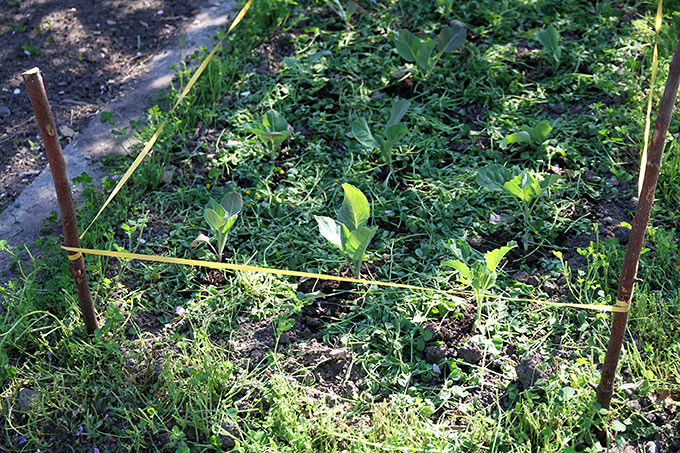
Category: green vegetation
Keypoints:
(191, 359)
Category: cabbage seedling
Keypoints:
(349, 232)
(521, 185)
(221, 217)
(535, 135)
(393, 132)
(479, 275)
(414, 50)
(273, 129)
(550, 40)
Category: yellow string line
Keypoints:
(152, 141)
(619, 307)
(648, 121)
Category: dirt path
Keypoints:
(27, 196)
(87, 51)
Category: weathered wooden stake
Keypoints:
(48, 131)
(628, 277)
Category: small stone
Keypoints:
(284, 339)
(29, 173)
(589, 176)
(16, 91)
(5, 112)
(521, 276)
(67, 131)
(651, 447)
(434, 354)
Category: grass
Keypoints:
(192, 360)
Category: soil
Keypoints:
(87, 52)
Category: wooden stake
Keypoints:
(628, 277)
(48, 131)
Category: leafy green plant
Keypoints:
(520, 184)
(393, 132)
(221, 217)
(345, 12)
(550, 40)
(349, 232)
(272, 129)
(414, 50)
(479, 275)
(534, 135)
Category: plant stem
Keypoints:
(628, 277)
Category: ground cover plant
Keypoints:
(192, 359)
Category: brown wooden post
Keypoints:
(48, 131)
(628, 277)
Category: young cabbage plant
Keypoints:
(221, 217)
(520, 184)
(393, 132)
(550, 40)
(272, 129)
(345, 11)
(534, 136)
(479, 275)
(422, 52)
(349, 231)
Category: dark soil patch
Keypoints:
(86, 51)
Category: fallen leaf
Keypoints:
(200, 238)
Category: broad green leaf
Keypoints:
(355, 210)
(452, 37)
(517, 137)
(393, 134)
(275, 122)
(549, 39)
(549, 181)
(215, 221)
(460, 267)
(522, 186)
(493, 177)
(494, 257)
(215, 206)
(229, 223)
(362, 133)
(356, 242)
(232, 202)
(329, 229)
(407, 45)
(539, 132)
(317, 56)
(399, 108)
(424, 54)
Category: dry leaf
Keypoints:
(200, 238)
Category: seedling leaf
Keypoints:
(494, 257)
(399, 108)
(232, 202)
(363, 134)
(329, 229)
(407, 45)
(493, 177)
(355, 210)
(517, 137)
(452, 37)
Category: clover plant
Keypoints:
(221, 217)
(422, 51)
(349, 232)
(534, 135)
(272, 129)
(550, 40)
(479, 275)
(393, 132)
(520, 184)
